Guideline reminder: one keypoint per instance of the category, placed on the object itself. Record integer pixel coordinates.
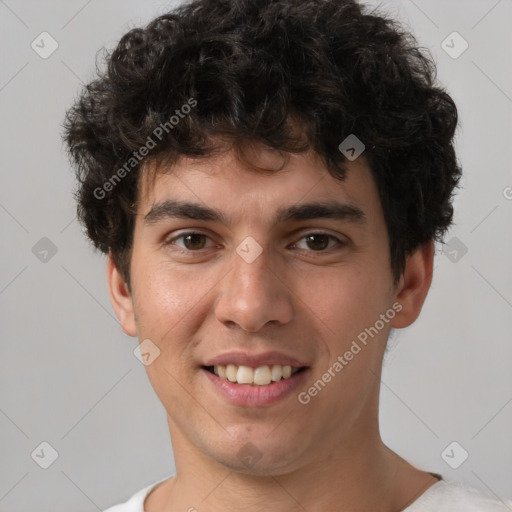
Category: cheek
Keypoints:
(167, 303)
(164, 297)
(347, 299)
(349, 302)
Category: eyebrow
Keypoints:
(174, 209)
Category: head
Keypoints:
(240, 107)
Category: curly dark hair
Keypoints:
(251, 70)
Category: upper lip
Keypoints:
(254, 360)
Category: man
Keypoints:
(268, 179)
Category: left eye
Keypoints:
(316, 242)
(319, 241)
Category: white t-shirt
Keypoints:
(441, 497)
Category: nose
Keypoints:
(253, 295)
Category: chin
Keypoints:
(258, 455)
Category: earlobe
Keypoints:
(121, 298)
(414, 284)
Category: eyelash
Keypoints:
(340, 243)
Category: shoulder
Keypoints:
(453, 496)
(136, 502)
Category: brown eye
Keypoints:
(194, 241)
(317, 242)
(190, 241)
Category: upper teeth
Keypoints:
(260, 376)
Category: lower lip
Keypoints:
(256, 396)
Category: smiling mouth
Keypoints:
(260, 376)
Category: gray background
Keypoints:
(68, 375)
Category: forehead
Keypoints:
(259, 183)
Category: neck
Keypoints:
(359, 474)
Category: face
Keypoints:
(234, 267)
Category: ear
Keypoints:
(414, 284)
(121, 298)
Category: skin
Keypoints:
(304, 301)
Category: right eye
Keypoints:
(192, 241)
